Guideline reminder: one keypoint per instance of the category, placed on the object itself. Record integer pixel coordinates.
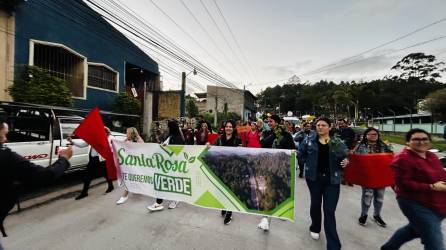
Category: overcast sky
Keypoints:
(281, 38)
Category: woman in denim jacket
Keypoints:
(371, 143)
(324, 157)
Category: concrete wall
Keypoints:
(7, 35)
(169, 105)
(201, 105)
(233, 97)
(147, 114)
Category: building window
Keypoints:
(61, 62)
(103, 77)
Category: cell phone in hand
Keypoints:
(58, 148)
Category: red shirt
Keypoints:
(413, 176)
(253, 140)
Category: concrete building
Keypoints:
(238, 101)
(403, 123)
(70, 40)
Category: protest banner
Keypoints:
(370, 170)
(247, 180)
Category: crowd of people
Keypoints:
(322, 153)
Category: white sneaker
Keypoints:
(122, 200)
(156, 207)
(314, 236)
(173, 204)
(264, 224)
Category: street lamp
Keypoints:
(183, 92)
(410, 110)
(394, 119)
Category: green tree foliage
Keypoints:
(191, 108)
(35, 85)
(127, 104)
(419, 66)
(270, 173)
(354, 99)
(435, 103)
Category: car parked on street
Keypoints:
(37, 132)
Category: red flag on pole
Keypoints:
(370, 170)
(92, 131)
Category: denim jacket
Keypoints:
(364, 148)
(308, 153)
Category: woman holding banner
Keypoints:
(420, 182)
(371, 143)
(228, 139)
(132, 136)
(175, 137)
(324, 157)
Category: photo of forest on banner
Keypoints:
(247, 180)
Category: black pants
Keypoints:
(322, 189)
(94, 165)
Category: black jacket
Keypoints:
(15, 168)
(269, 140)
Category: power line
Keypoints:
(208, 34)
(384, 44)
(221, 32)
(185, 32)
(233, 37)
(368, 58)
(207, 77)
(125, 26)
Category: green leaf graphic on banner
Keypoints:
(192, 159)
(208, 200)
(176, 149)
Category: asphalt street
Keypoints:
(96, 222)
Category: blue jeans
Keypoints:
(423, 223)
(322, 189)
(369, 194)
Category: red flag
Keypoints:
(370, 170)
(92, 131)
(212, 138)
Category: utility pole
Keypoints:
(183, 95)
(216, 110)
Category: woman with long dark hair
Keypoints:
(228, 139)
(175, 137)
(324, 157)
(371, 143)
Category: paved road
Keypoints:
(97, 223)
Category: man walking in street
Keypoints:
(16, 168)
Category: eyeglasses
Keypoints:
(424, 139)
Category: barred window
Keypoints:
(102, 77)
(61, 63)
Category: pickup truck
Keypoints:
(36, 133)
